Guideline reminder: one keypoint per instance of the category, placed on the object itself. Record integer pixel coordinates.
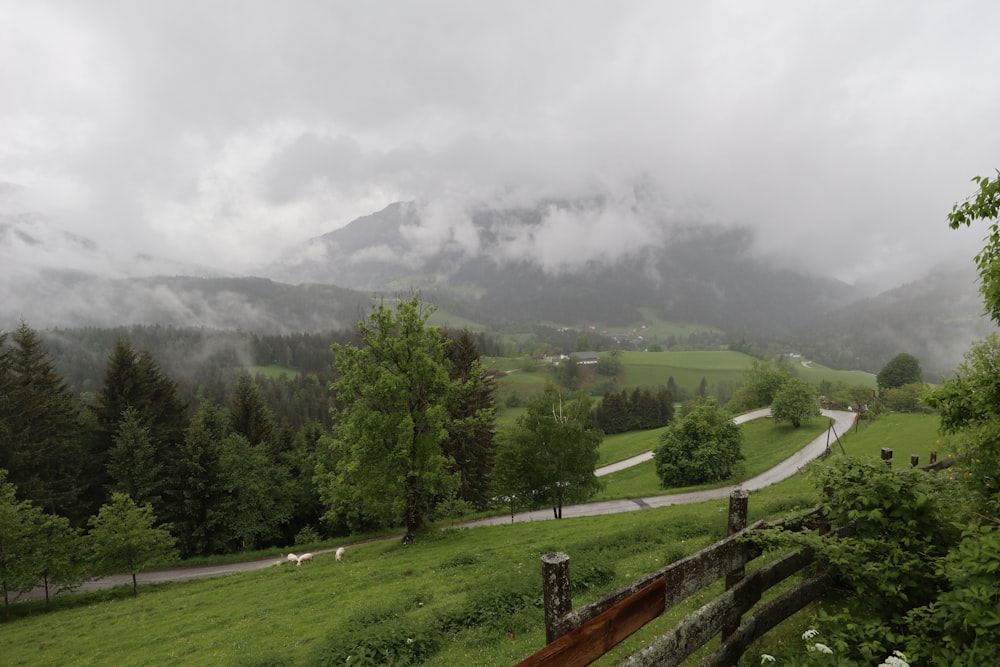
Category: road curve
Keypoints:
(842, 422)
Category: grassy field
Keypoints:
(458, 597)
(653, 369)
(765, 444)
(273, 371)
(815, 373)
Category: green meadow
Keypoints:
(455, 597)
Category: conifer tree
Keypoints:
(250, 417)
(471, 409)
(39, 435)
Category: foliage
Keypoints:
(250, 417)
(196, 490)
(640, 409)
(901, 369)
(762, 381)
(385, 463)
(39, 439)
(984, 205)
(703, 446)
(132, 463)
(795, 401)
(123, 538)
(906, 398)
(550, 454)
(471, 420)
(19, 571)
(969, 403)
(254, 485)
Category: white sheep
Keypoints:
(292, 558)
(303, 558)
(340, 553)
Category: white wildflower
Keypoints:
(765, 657)
(822, 648)
(897, 659)
(809, 634)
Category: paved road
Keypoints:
(842, 422)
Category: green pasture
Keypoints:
(653, 369)
(455, 597)
(814, 373)
(273, 371)
(765, 444)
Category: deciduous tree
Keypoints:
(123, 537)
(901, 369)
(385, 463)
(796, 401)
(703, 446)
(552, 451)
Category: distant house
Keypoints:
(586, 358)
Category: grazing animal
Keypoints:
(340, 553)
(292, 558)
(303, 558)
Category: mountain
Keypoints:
(935, 319)
(559, 263)
(508, 264)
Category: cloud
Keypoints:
(222, 134)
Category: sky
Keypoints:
(225, 133)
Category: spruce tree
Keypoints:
(472, 420)
(39, 433)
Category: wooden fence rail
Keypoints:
(580, 636)
(577, 637)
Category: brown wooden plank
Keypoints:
(600, 634)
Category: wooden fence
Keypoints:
(581, 636)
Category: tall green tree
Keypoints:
(901, 369)
(472, 420)
(124, 537)
(133, 379)
(553, 451)
(250, 417)
(255, 485)
(796, 401)
(703, 446)
(59, 555)
(19, 537)
(132, 461)
(39, 439)
(385, 463)
(762, 380)
(195, 490)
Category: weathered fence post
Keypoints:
(557, 592)
(933, 457)
(914, 460)
(738, 510)
(887, 457)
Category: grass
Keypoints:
(765, 445)
(456, 593)
(273, 371)
(653, 369)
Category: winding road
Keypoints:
(842, 421)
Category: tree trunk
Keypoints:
(135, 586)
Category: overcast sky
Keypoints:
(223, 132)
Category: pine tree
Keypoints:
(134, 380)
(132, 460)
(195, 489)
(471, 410)
(39, 433)
(250, 417)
